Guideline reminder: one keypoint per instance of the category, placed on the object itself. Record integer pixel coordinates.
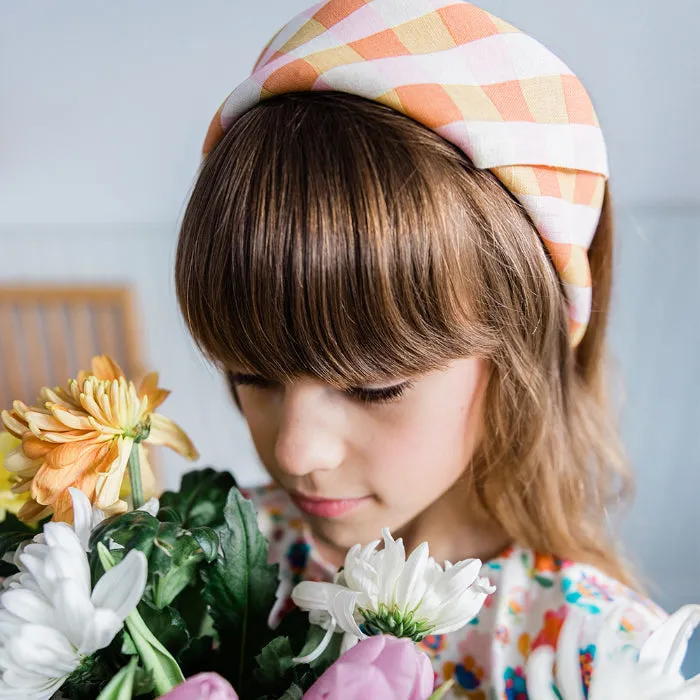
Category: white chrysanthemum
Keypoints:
(382, 592)
(50, 617)
(618, 673)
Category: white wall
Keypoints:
(103, 109)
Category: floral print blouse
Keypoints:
(487, 658)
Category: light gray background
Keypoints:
(103, 109)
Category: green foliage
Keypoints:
(208, 597)
(12, 533)
(121, 687)
(276, 674)
(200, 499)
(240, 588)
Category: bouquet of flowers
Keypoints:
(112, 595)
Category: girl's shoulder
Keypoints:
(535, 592)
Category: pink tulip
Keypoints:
(203, 686)
(378, 668)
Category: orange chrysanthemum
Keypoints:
(82, 436)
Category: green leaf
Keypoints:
(198, 656)
(295, 625)
(167, 626)
(274, 661)
(208, 540)
(174, 559)
(12, 524)
(154, 656)
(93, 674)
(13, 532)
(294, 692)
(122, 685)
(240, 587)
(169, 515)
(330, 654)
(134, 530)
(201, 498)
(143, 683)
(128, 647)
(276, 669)
(193, 610)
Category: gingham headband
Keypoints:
(498, 94)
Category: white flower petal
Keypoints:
(10, 626)
(348, 642)
(391, 562)
(82, 516)
(385, 583)
(617, 673)
(33, 562)
(358, 572)
(29, 605)
(121, 588)
(667, 646)
(102, 628)
(457, 579)
(97, 516)
(342, 609)
(74, 612)
(314, 595)
(65, 558)
(318, 650)
(15, 685)
(151, 506)
(44, 651)
(539, 674)
(458, 615)
(47, 619)
(321, 618)
(412, 581)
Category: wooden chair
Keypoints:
(49, 333)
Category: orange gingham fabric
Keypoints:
(498, 94)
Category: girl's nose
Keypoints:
(309, 438)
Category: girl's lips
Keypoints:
(325, 507)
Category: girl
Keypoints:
(398, 251)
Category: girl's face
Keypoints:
(355, 467)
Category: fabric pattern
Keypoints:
(487, 659)
(498, 94)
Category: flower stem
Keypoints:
(165, 671)
(442, 690)
(137, 499)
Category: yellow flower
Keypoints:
(10, 502)
(82, 436)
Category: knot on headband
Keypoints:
(503, 98)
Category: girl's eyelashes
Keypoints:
(383, 395)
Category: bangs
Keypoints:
(322, 238)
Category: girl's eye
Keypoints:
(363, 395)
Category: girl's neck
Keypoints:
(454, 527)
(454, 540)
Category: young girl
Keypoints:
(398, 251)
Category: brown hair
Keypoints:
(332, 236)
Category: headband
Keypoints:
(503, 98)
